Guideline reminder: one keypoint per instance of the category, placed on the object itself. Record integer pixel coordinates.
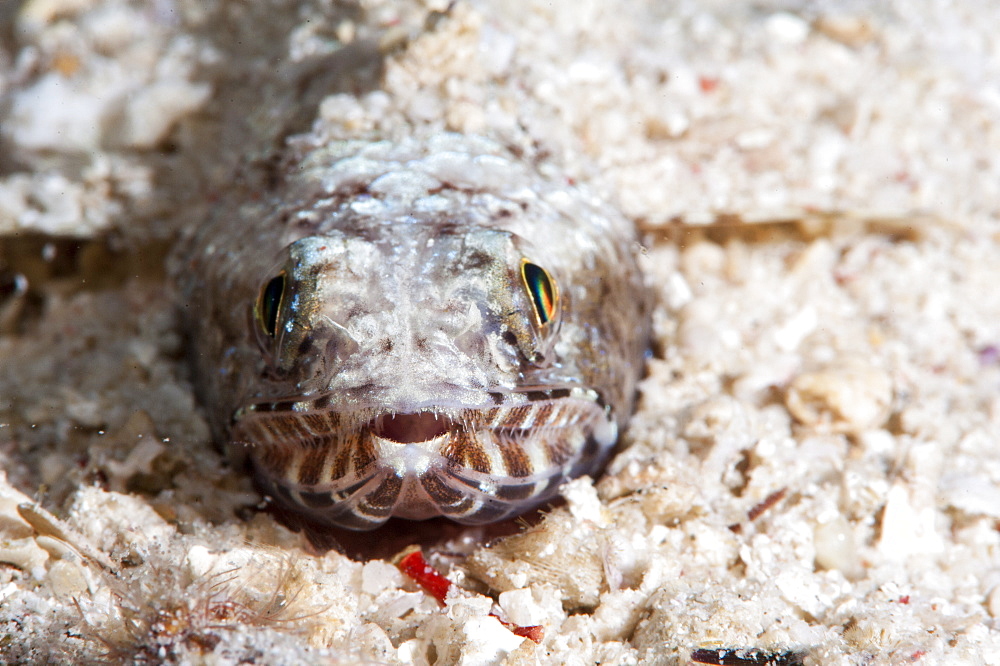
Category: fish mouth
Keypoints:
(301, 419)
(358, 467)
(412, 428)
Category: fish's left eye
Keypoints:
(268, 307)
(541, 286)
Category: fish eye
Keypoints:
(269, 304)
(541, 286)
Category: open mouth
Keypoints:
(412, 428)
(355, 468)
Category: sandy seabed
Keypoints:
(813, 474)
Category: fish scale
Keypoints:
(495, 311)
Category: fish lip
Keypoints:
(323, 402)
(297, 423)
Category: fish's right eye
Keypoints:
(268, 307)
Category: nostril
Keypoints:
(411, 428)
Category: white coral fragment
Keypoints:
(845, 397)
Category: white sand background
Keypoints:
(814, 468)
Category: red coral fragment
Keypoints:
(415, 566)
(535, 632)
(708, 83)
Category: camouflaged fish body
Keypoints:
(419, 328)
